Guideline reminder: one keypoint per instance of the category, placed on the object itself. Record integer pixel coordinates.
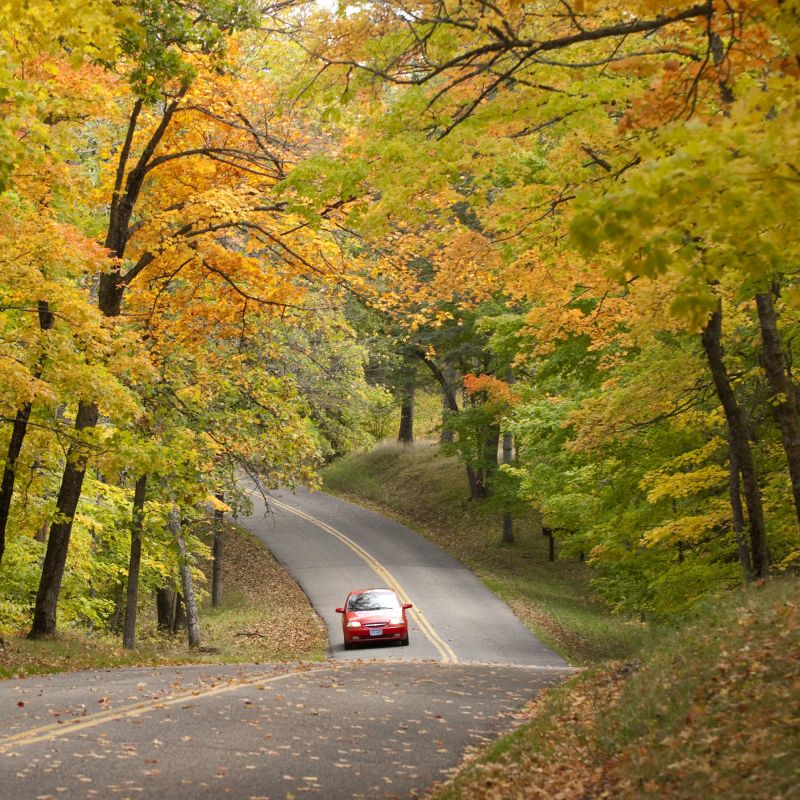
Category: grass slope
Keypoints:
(265, 617)
(428, 492)
(713, 711)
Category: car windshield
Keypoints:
(373, 601)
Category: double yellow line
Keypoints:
(56, 730)
(445, 651)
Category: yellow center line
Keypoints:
(446, 652)
(56, 730)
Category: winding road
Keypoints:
(382, 721)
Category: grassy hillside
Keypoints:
(265, 617)
(710, 711)
(429, 492)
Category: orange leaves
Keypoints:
(493, 389)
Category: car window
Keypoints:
(373, 601)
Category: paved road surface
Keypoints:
(468, 622)
(334, 732)
(382, 722)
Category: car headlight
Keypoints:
(396, 621)
(354, 623)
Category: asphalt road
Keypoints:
(465, 621)
(333, 731)
(382, 722)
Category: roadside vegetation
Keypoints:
(710, 710)
(427, 491)
(264, 617)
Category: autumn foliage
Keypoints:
(579, 220)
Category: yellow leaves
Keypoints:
(217, 504)
(689, 528)
(497, 391)
(680, 485)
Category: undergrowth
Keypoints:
(264, 617)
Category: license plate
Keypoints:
(376, 631)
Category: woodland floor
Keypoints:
(712, 711)
(265, 617)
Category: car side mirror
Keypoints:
(407, 605)
(340, 611)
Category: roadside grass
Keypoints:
(710, 711)
(265, 617)
(428, 492)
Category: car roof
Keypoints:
(377, 589)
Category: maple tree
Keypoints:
(597, 201)
(216, 265)
(629, 180)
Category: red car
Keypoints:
(374, 615)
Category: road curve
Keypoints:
(385, 726)
(331, 546)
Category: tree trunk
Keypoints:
(132, 595)
(450, 379)
(18, 432)
(115, 623)
(216, 570)
(735, 495)
(9, 473)
(508, 528)
(784, 397)
(111, 288)
(740, 441)
(406, 433)
(192, 625)
(474, 483)
(178, 620)
(486, 474)
(508, 457)
(44, 613)
(41, 532)
(165, 608)
(446, 436)
(551, 543)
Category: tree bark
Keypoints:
(740, 441)
(735, 496)
(450, 378)
(115, 623)
(551, 544)
(508, 456)
(132, 594)
(406, 433)
(787, 409)
(178, 620)
(486, 473)
(44, 613)
(474, 484)
(111, 288)
(447, 390)
(18, 432)
(192, 625)
(216, 570)
(165, 608)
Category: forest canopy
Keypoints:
(234, 236)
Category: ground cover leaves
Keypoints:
(710, 712)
